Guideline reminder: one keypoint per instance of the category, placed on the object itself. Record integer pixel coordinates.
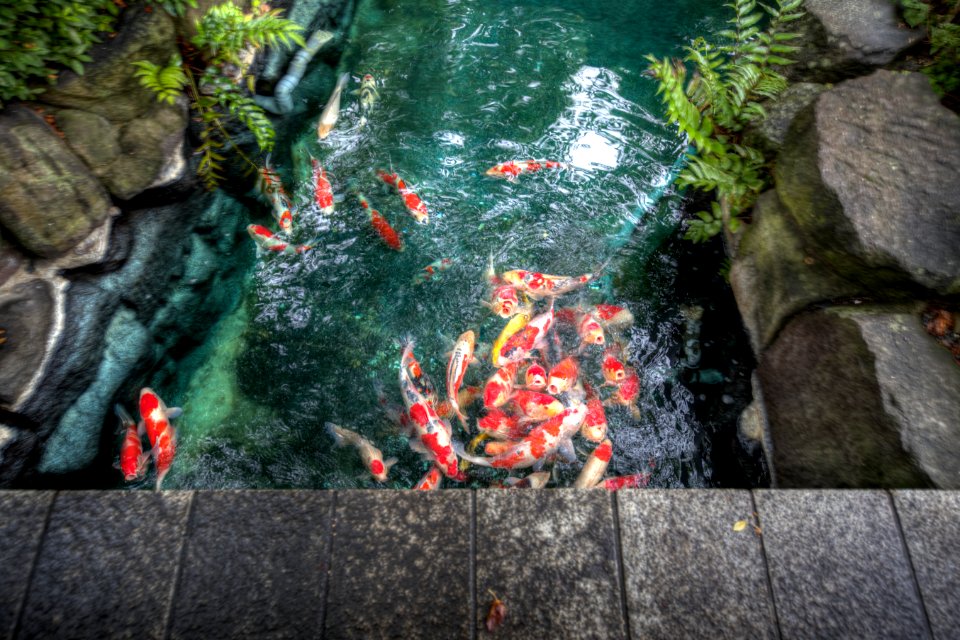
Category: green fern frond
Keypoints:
(166, 82)
(225, 31)
(246, 110)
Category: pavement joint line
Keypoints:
(913, 572)
(472, 566)
(621, 569)
(766, 567)
(33, 565)
(328, 562)
(178, 569)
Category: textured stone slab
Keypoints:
(400, 566)
(106, 566)
(688, 573)
(255, 565)
(551, 556)
(837, 566)
(930, 521)
(22, 515)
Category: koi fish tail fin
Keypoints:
(599, 270)
(389, 462)
(477, 460)
(160, 476)
(125, 419)
(340, 437)
(342, 81)
(463, 420)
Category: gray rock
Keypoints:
(688, 573)
(74, 443)
(92, 581)
(242, 577)
(551, 556)
(396, 552)
(22, 517)
(845, 38)
(869, 175)
(92, 137)
(768, 134)
(26, 317)
(16, 448)
(931, 527)
(861, 398)
(39, 174)
(837, 566)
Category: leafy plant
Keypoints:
(714, 104)
(41, 38)
(176, 7)
(944, 68)
(225, 41)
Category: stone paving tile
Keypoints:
(930, 521)
(22, 515)
(837, 565)
(688, 573)
(400, 566)
(106, 565)
(551, 556)
(255, 565)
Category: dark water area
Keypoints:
(463, 86)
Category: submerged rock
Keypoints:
(26, 318)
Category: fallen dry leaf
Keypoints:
(739, 525)
(496, 613)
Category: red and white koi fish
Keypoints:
(541, 442)
(380, 225)
(563, 376)
(536, 480)
(532, 336)
(497, 447)
(612, 316)
(628, 390)
(430, 480)
(267, 241)
(460, 359)
(536, 406)
(413, 373)
(499, 386)
(535, 377)
(501, 426)
(322, 191)
(613, 370)
(270, 185)
(539, 285)
(594, 426)
(163, 437)
(330, 113)
(505, 302)
(133, 460)
(513, 168)
(371, 456)
(437, 266)
(633, 481)
(515, 325)
(595, 466)
(411, 200)
(590, 331)
(467, 396)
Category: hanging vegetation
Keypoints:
(943, 68)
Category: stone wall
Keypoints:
(859, 236)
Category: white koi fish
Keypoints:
(371, 456)
(331, 111)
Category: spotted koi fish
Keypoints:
(505, 302)
(163, 437)
(536, 406)
(627, 393)
(535, 377)
(590, 331)
(133, 460)
(411, 200)
(612, 316)
(428, 272)
(516, 324)
(540, 285)
(532, 336)
(595, 466)
(371, 456)
(322, 191)
(633, 481)
(513, 168)
(368, 96)
(270, 185)
(499, 386)
(267, 241)
(466, 397)
(501, 426)
(542, 441)
(413, 373)
(430, 481)
(594, 426)
(380, 225)
(563, 376)
(460, 359)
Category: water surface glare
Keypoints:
(463, 85)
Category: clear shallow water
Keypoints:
(463, 85)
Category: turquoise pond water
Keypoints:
(463, 85)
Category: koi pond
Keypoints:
(462, 85)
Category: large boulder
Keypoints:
(26, 320)
(861, 397)
(869, 175)
(768, 134)
(847, 38)
(40, 177)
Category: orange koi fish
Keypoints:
(411, 200)
(590, 331)
(381, 226)
(595, 466)
(466, 397)
(460, 359)
(437, 266)
(267, 241)
(501, 426)
(543, 441)
(563, 376)
(612, 316)
(430, 480)
(499, 386)
(513, 168)
(371, 456)
(613, 370)
(535, 377)
(594, 426)
(163, 437)
(540, 285)
(633, 481)
(536, 406)
(133, 460)
(270, 185)
(628, 390)
(532, 336)
(322, 191)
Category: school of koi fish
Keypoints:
(531, 406)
